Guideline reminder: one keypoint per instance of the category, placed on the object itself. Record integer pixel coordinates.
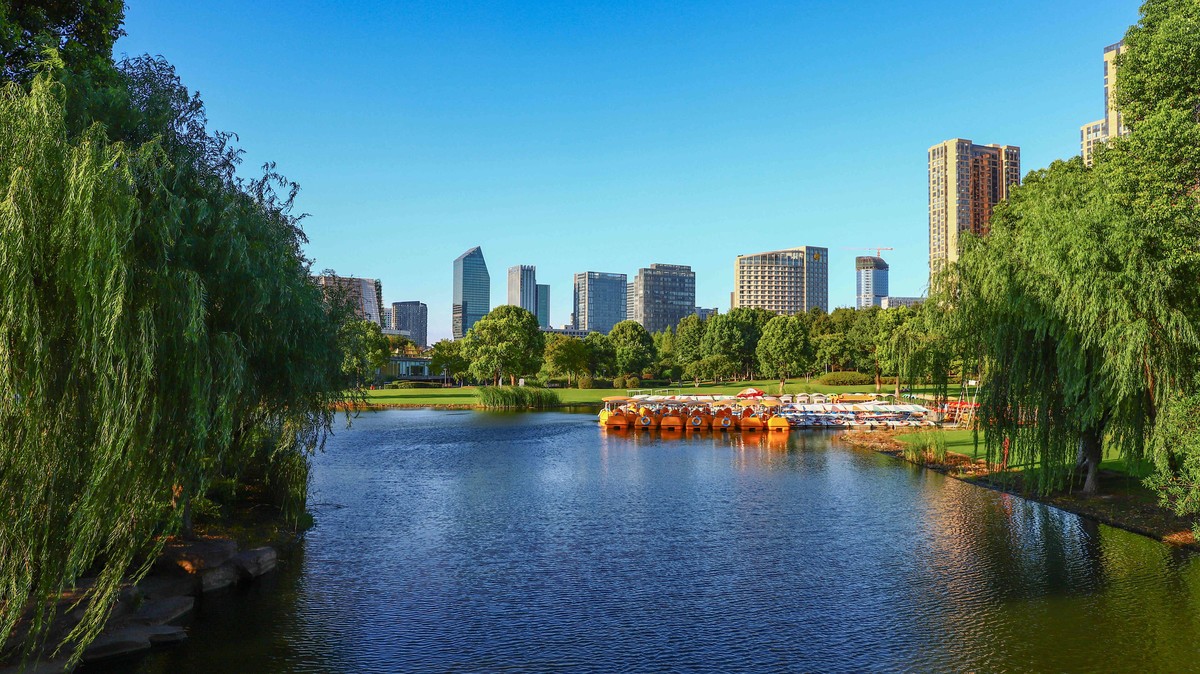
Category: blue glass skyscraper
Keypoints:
(472, 291)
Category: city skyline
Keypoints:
(533, 131)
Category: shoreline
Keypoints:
(1117, 505)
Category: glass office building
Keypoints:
(472, 291)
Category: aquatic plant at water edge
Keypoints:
(517, 397)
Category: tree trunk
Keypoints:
(187, 532)
(1092, 452)
(878, 378)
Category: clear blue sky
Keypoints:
(605, 136)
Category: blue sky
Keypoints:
(604, 136)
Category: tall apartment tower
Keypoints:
(966, 181)
(1113, 124)
(663, 295)
(522, 287)
(789, 281)
(872, 281)
(543, 305)
(472, 291)
(365, 295)
(600, 301)
(413, 318)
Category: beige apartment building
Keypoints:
(1113, 124)
(788, 281)
(966, 181)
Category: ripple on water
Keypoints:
(506, 542)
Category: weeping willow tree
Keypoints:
(158, 328)
(1082, 300)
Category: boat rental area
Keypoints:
(753, 411)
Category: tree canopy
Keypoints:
(633, 347)
(1082, 299)
(507, 342)
(160, 330)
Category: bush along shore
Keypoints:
(1126, 502)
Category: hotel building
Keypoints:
(790, 281)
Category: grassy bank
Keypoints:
(468, 396)
(1123, 502)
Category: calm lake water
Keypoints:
(476, 542)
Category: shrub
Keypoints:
(517, 397)
(632, 382)
(586, 381)
(618, 382)
(846, 379)
(412, 384)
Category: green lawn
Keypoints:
(963, 442)
(466, 395)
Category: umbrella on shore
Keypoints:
(751, 393)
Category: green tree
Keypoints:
(633, 346)
(601, 354)
(785, 348)
(689, 335)
(565, 356)
(664, 347)
(399, 344)
(82, 31)
(1076, 298)
(865, 336)
(365, 351)
(159, 315)
(507, 342)
(447, 359)
(718, 368)
(724, 336)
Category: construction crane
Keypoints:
(878, 250)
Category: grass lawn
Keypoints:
(466, 394)
(963, 442)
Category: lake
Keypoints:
(480, 542)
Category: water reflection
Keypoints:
(540, 542)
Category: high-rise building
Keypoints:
(600, 301)
(365, 295)
(790, 281)
(543, 305)
(662, 295)
(522, 287)
(1113, 124)
(966, 181)
(472, 291)
(413, 318)
(872, 280)
(706, 313)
